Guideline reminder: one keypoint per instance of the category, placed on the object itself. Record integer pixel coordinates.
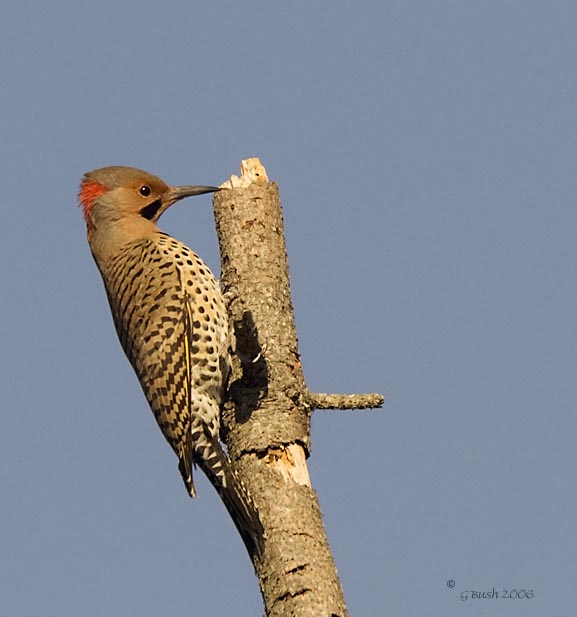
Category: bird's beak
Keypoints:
(175, 193)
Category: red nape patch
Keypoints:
(89, 191)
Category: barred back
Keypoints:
(172, 324)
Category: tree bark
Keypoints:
(266, 420)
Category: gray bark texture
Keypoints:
(266, 420)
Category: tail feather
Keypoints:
(185, 468)
(210, 457)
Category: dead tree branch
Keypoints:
(266, 422)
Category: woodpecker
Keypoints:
(172, 323)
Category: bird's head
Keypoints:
(115, 194)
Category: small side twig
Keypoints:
(319, 400)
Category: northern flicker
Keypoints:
(171, 320)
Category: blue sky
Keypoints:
(425, 154)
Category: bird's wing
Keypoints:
(150, 315)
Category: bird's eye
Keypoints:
(144, 190)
